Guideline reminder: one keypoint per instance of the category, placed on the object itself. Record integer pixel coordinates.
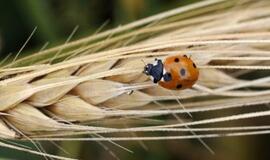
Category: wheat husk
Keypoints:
(72, 108)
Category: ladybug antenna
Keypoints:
(143, 62)
(144, 66)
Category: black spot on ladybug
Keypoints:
(179, 86)
(176, 60)
(194, 65)
(182, 72)
(185, 56)
(167, 77)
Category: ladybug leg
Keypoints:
(130, 92)
(155, 80)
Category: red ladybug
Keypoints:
(175, 73)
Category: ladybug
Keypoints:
(175, 73)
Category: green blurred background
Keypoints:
(55, 21)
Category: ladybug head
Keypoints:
(147, 69)
(155, 71)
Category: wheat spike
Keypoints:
(89, 80)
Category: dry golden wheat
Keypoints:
(89, 80)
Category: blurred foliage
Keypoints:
(56, 19)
